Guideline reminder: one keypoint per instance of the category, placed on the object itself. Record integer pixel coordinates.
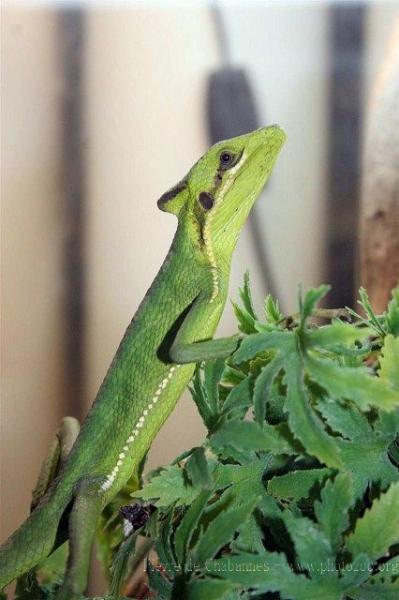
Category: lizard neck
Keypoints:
(195, 248)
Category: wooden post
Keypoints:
(346, 58)
(379, 219)
(71, 37)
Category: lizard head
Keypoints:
(213, 201)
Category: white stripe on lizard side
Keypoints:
(110, 478)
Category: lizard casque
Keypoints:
(170, 332)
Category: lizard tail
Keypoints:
(33, 540)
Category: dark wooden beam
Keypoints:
(346, 40)
(71, 27)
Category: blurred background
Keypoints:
(107, 105)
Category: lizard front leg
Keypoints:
(189, 348)
(204, 350)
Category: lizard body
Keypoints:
(170, 332)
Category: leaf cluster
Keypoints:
(294, 493)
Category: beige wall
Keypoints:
(32, 233)
(284, 47)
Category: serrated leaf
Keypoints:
(296, 484)
(263, 384)
(347, 420)
(378, 529)
(269, 507)
(188, 524)
(377, 467)
(222, 528)
(384, 584)
(392, 313)
(275, 407)
(246, 296)
(226, 475)
(272, 310)
(352, 383)
(364, 441)
(232, 376)
(311, 545)
(336, 333)
(245, 314)
(168, 487)
(197, 469)
(158, 583)
(264, 572)
(310, 301)
(230, 453)
(234, 595)
(374, 592)
(373, 318)
(199, 396)
(120, 566)
(236, 483)
(246, 322)
(389, 362)
(388, 572)
(163, 537)
(259, 342)
(250, 537)
(213, 370)
(246, 435)
(238, 400)
(303, 422)
(270, 572)
(356, 572)
(387, 424)
(208, 589)
(332, 511)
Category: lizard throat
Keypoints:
(228, 182)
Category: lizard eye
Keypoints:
(227, 159)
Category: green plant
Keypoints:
(301, 501)
(294, 493)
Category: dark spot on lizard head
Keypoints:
(172, 194)
(206, 200)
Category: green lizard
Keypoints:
(170, 332)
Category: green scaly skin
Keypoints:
(170, 332)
